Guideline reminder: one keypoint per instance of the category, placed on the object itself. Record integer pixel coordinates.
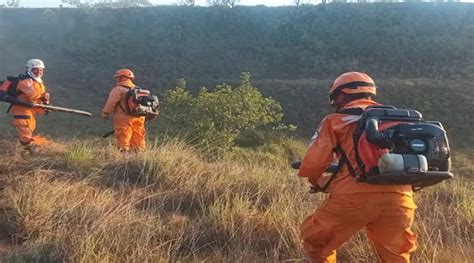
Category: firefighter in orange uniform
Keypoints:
(385, 211)
(129, 130)
(31, 89)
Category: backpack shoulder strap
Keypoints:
(356, 136)
(343, 160)
(126, 97)
(352, 111)
(127, 87)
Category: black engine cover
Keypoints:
(424, 138)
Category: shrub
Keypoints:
(214, 118)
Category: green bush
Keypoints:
(214, 118)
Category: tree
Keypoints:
(229, 3)
(187, 2)
(305, 2)
(213, 119)
(13, 3)
(107, 3)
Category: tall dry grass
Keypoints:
(86, 202)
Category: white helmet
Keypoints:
(34, 63)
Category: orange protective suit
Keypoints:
(129, 130)
(23, 117)
(386, 211)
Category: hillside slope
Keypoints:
(421, 54)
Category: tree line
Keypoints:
(226, 3)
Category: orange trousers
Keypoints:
(386, 217)
(130, 132)
(25, 125)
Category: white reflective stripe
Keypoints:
(314, 138)
(316, 133)
(351, 118)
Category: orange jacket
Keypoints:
(116, 102)
(31, 91)
(338, 128)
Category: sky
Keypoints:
(56, 3)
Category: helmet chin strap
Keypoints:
(337, 106)
(32, 75)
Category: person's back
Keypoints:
(387, 211)
(338, 129)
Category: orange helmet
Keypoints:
(124, 73)
(352, 83)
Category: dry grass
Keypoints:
(86, 202)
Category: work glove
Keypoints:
(105, 115)
(45, 98)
